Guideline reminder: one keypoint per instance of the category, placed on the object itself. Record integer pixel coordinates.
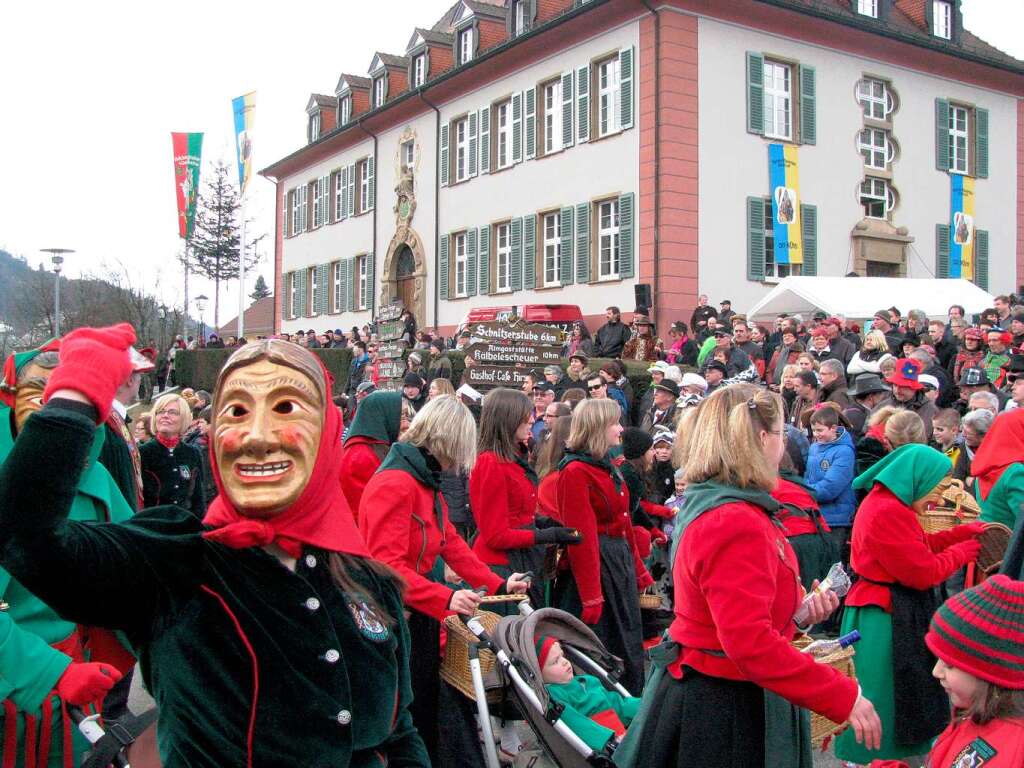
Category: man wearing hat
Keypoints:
(972, 381)
(883, 322)
(414, 389)
(694, 384)
(714, 374)
(439, 366)
(1015, 381)
(998, 355)
(543, 395)
(662, 412)
(578, 370)
(658, 370)
(642, 346)
(867, 392)
(908, 392)
(612, 336)
(120, 453)
(725, 312)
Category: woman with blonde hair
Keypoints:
(605, 575)
(404, 520)
(807, 362)
(440, 386)
(735, 598)
(866, 359)
(888, 428)
(172, 470)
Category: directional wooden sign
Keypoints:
(391, 351)
(391, 311)
(514, 354)
(391, 369)
(489, 376)
(520, 333)
(390, 330)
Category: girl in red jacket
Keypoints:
(978, 637)
(899, 566)
(503, 494)
(605, 575)
(380, 418)
(404, 519)
(737, 589)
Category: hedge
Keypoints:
(199, 368)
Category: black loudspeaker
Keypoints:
(642, 295)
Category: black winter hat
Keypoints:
(413, 379)
(635, 442)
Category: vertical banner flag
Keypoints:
(243, 108)
(961, 240)
(784, 176)
(188, 150)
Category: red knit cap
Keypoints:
(981, 631)
(543, 645)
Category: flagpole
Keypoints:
(241, 276)
(188, 242)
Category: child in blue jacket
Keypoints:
(831, 463)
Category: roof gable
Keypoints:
(348, 83)
(319, 100)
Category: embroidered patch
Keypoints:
(976, 754)
(825, 464)
(369, 625)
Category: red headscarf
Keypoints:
(320, 516)
(1002, 446)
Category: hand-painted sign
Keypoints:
(391, 369)
(391, 351)
(391, 311)
(391, 330)
(521, 333)
(514, 354)
(486, 376)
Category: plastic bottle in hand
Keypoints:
(837, 580)
(821, 648)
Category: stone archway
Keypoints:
(406, 242)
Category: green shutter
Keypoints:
(484, 268)
(567, 132)
(371, 184)
(321, 281)
(942, 250)
(942, 134)
(981, 142)
(471, 275)
(530, 252)
(352, 189)
(444, 155)
(473, 139)
(626, 88)
(345, 278)
(755, 93)
(517, 127)
(808, 105)
(809, 227)
(303, 283)
(565, 265)
(516, 269)
(755, 238)
(627, 229)
(442, 266)
(583, 103)
(583, 243)
(485, 140)
(343, 213)
(368, 295)
(981, 258)
(531, 123)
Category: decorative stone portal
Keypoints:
(880, 249)
(405, 274)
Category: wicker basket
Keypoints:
(958, 507)
(650, 601)
(994, 542)
(842, 660)
(455, 665)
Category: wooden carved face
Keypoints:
(29, 396)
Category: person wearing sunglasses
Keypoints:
(1015, 382)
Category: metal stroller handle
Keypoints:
(90, 727)
(482, 712)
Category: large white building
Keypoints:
(561, 152)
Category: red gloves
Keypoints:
(95, 363)
(971, 530)
(966, 551)
(592, 613)
(658, 536)
(85, 683)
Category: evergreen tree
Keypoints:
(260, 290)
(215, 243)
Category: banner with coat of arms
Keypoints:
(784, 178)
(188, 150)
(961, 229)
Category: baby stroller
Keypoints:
(512, 643)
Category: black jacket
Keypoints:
(610, 339)
(172, 477)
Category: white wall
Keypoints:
(734, 163)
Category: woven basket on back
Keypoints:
(455, 665)
(994, 543)
(958, 506)
(842, 660)
(650, 601)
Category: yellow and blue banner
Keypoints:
(961, 239)
(784, 176)
(244, 107)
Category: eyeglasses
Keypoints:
(595, 387)
(169, 412)
(1013, 377)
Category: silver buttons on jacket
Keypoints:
(344, 717)
(310, 561)
(332, 656)
(312, 604)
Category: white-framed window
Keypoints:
(314, 290)
(378, 91)
(942, 19)
(502, 257)
(876, 100)
(339, 189)
(608, 259)
(461, 265)
(314, 126)
(771, 269)
(409, 156)
(361, 263)
(959, 138)
(503, 149)
(609, 96)
(875, 147)
(868, 8)
(344, 110)
(466, 45)
(336, 285)
(552, 249)
(293, 299)
(462, 150)
(299, 203)
(321, 201)
(520, 17)
(419, 70)
(364, 186)
(877, 197)
(778, 100)
(553, 116)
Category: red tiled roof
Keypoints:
(259, 320)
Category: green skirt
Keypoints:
(874, 673)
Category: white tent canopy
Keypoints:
(860, 297)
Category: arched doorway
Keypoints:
(405, 276)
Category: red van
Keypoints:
(560, 315)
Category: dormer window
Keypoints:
(868, 8)
(419, 70)
(466, 45)
(378, 91)
(344, 110)
(942, 19)
(520, 17)
(314, 126)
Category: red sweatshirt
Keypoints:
(358, 463)
(889, 545)
(547, 496)
(588, 502)
(737, 587)
(397, 520)
(997, 744)
(788, 492)
(503, 500)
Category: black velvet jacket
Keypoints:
(251, 664)
(173, 477)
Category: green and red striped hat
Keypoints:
(981, 631)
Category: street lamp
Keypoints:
(57, 258)
(201, 305)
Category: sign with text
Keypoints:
(391, 369)
(522, 333)
(392, 311)
(514, 354)
(391, 330)
(391, 351)
(486, 376)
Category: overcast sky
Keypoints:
(89, 98)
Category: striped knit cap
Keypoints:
(981, 631)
